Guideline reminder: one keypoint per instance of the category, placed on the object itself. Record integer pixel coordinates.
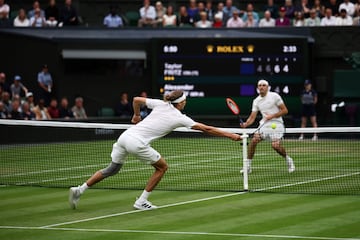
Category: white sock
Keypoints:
(249, 162)
(83, 188)
(144, 196)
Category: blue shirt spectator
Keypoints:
(113, 20)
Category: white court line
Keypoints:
(200, 200)
(306, 182)
(136, 211)
(180, 233)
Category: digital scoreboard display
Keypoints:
(230, 67)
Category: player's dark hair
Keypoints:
(173, 95)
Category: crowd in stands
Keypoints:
(19, 103)
(197, 14)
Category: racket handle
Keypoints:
(240, 120)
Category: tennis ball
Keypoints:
(273, 125)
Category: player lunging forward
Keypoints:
(272, 107)
(165, 116)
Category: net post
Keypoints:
(245, 161)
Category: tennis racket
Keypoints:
(234, 108)
(271, 129)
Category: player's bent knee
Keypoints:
(275, 144)
(111, 170)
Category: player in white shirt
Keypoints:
(165, 116)
(272, 107)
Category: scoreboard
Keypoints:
(231, 67)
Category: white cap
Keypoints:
(263, 81)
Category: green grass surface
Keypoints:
(327, 166)
(42, 213)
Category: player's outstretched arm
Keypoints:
(216, 131)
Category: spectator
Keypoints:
(147, 15)
(348, 6)
(333, 5)
(192, 10)
(4, 20)
(184, 18)
(3, 112)
(309, 99)
(356, 19)
(220, 12)
(250, 9)
(344, 19)
(5, 86)
(78, 109)
(41, 112)
(4, 9)
(299, 19)
(64, 110)
(319, 8)
(37, 20)
(201, 8)
(52, 14)
(228, 10)
(272, 8)
(169, 19)
(235, 21)
(45, 82)
(21, 20)
(53, 109)
(267, 21)
(15, 113)
(17, 87)
(6, 99)
(357, 7)
(282, 20)
(218, 23)
(124, 108)
(210, 10)
(30, 100)
(160, 12)
(36, 5)
(251, 21)
(329, 19)
(313, 20)
(304, 8)
(26, 113)
(203, 22)
(113, 20)
(68, 15)
(289, 9)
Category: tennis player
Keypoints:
(165, 116)
(272, 107)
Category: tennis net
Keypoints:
(64, 154)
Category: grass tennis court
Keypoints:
(200, 196)
(42, 213)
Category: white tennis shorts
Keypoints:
(128, 144)
(268, 133)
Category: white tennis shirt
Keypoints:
(163, 118)
(269, 104)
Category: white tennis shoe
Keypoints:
(248, 170)
(144, 205)
(291, 165)
(74, 196)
